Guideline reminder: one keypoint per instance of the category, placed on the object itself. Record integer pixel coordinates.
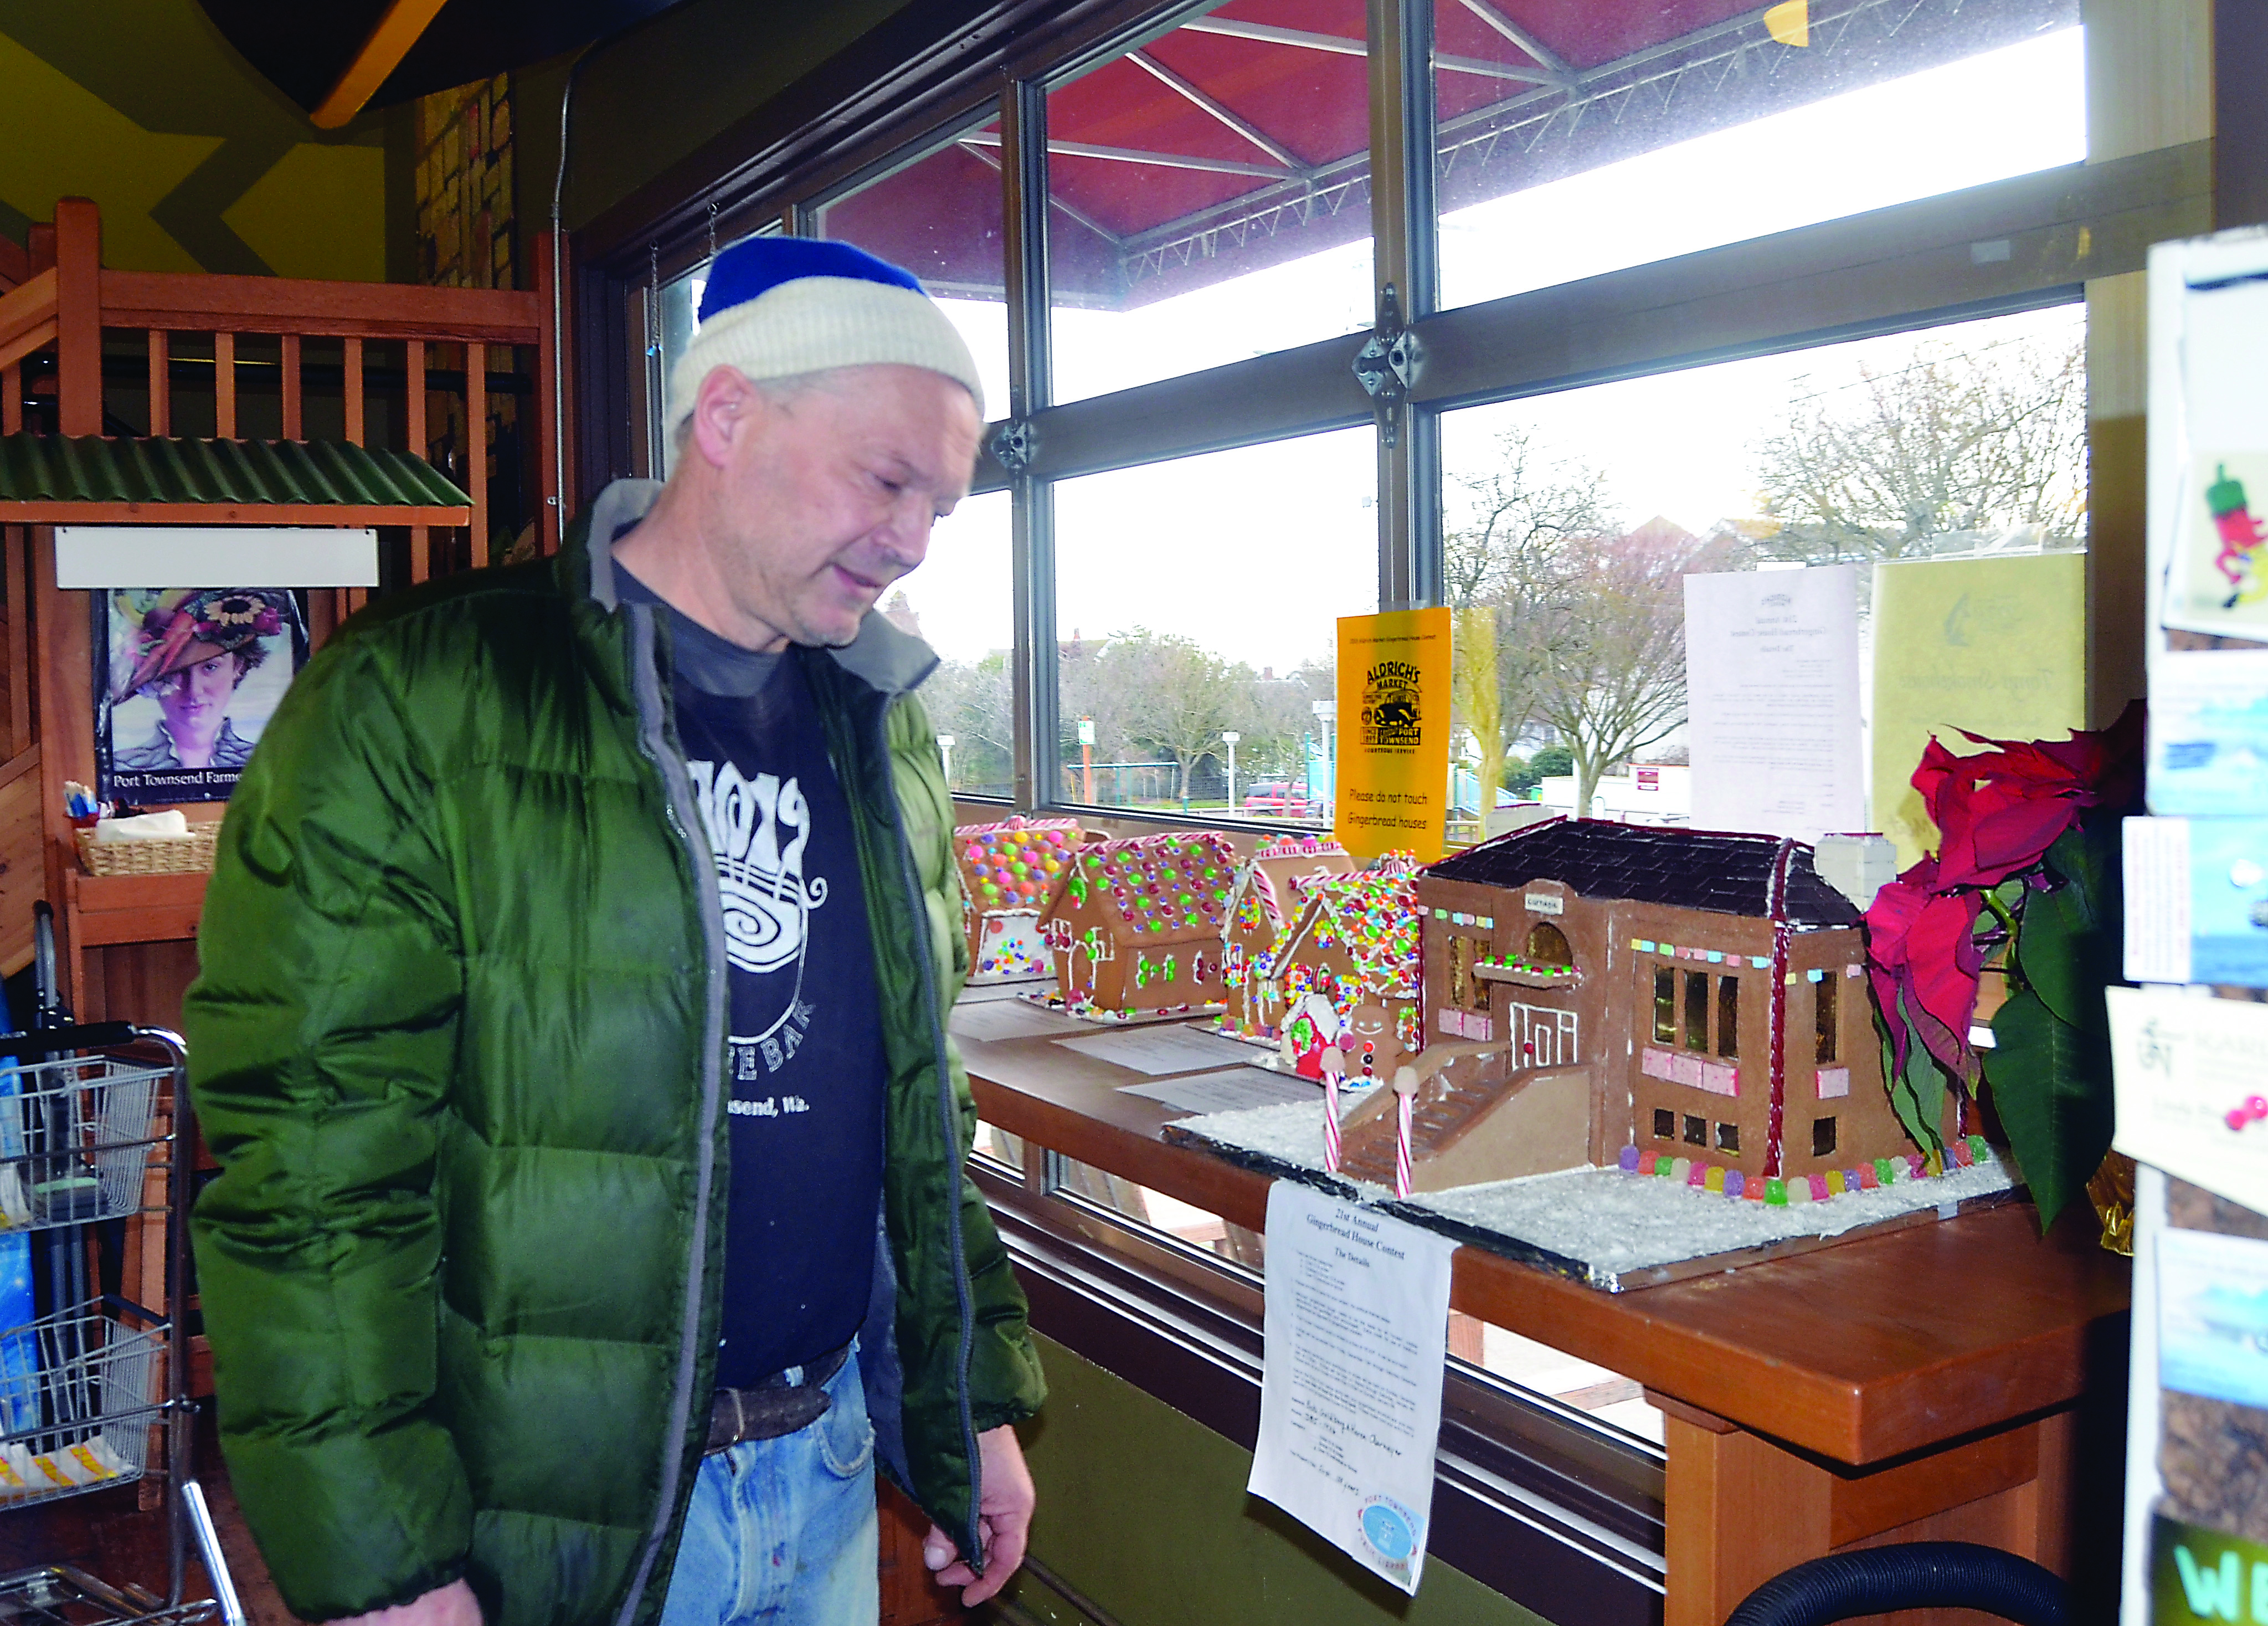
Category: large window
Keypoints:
(1194, 626)
(1210, 194)
(1571, 518)
(936, 211)
(1696, 285)
(1578, 140)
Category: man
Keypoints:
(571, 1035)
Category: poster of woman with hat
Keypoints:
(187, 679)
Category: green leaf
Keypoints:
(2068, 950)
(1918, 1097)
(2050, 1082)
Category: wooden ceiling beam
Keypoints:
(398, 28)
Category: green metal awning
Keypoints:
(56, 479)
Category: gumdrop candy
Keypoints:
(1715, 1180)
(1646, 1160)
(1737, 1184)
(1776, 1194)
(1628, 1161)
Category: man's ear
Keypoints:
(724, 409)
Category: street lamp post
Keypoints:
(944, 743)
(1230, 739)
(1086, 756)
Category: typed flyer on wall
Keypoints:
(1356, 1326)
(1394, 733)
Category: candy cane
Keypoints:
(1405, 1096)
(1334, 1065)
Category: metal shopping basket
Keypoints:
(96, 1393)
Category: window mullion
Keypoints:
(1024, 174)
(1404, 261)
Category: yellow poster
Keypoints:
(1997, 647)
(1394, 732)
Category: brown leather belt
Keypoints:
(774, 1407)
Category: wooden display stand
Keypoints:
(1916, 1385)
(127, 943)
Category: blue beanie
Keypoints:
(776, 307)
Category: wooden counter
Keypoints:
(1914, 1386)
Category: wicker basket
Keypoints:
(151, 855)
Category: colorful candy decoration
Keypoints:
(1013, 869)
(1145, 917)
(1700, 1175)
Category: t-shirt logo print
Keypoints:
(758, 830)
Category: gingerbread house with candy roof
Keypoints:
(1010, 872)
(1136, 927)
(1356, 943)
(1264, 905)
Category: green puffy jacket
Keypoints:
(460, 1047)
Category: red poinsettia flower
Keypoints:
(1922, 954)
(1997, 813)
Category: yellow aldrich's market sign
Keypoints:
(1394, 732)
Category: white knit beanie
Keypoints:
(776, 307)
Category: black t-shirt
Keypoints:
(806, 1065)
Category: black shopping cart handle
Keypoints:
(51, 1041)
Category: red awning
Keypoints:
(1241, 138)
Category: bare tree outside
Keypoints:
(1959, 440)
(1505, 561)
(1612, 642)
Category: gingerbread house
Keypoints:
(1137, 925)
(1262, 904)
(1681, 998)
(1009, 873)
(1356, 943)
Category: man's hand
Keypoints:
(452, 1604)
(1003, 1521)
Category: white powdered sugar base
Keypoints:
(1609, 1223)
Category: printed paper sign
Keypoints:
(1394, 733)
(2183, 1063)
(1772, 684)
(1356, 1326)
(2209, 732)
(2217, 581)
(2196, 901)
(185, 682)
(2212, 1315)
(1994, 646)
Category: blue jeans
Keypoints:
(784, 1531)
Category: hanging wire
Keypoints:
(654, 298)
(712, 228)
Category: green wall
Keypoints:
(1143, 1509)
(198, 163)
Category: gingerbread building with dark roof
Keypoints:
(1684, 993)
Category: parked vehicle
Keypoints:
(1275, 798)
